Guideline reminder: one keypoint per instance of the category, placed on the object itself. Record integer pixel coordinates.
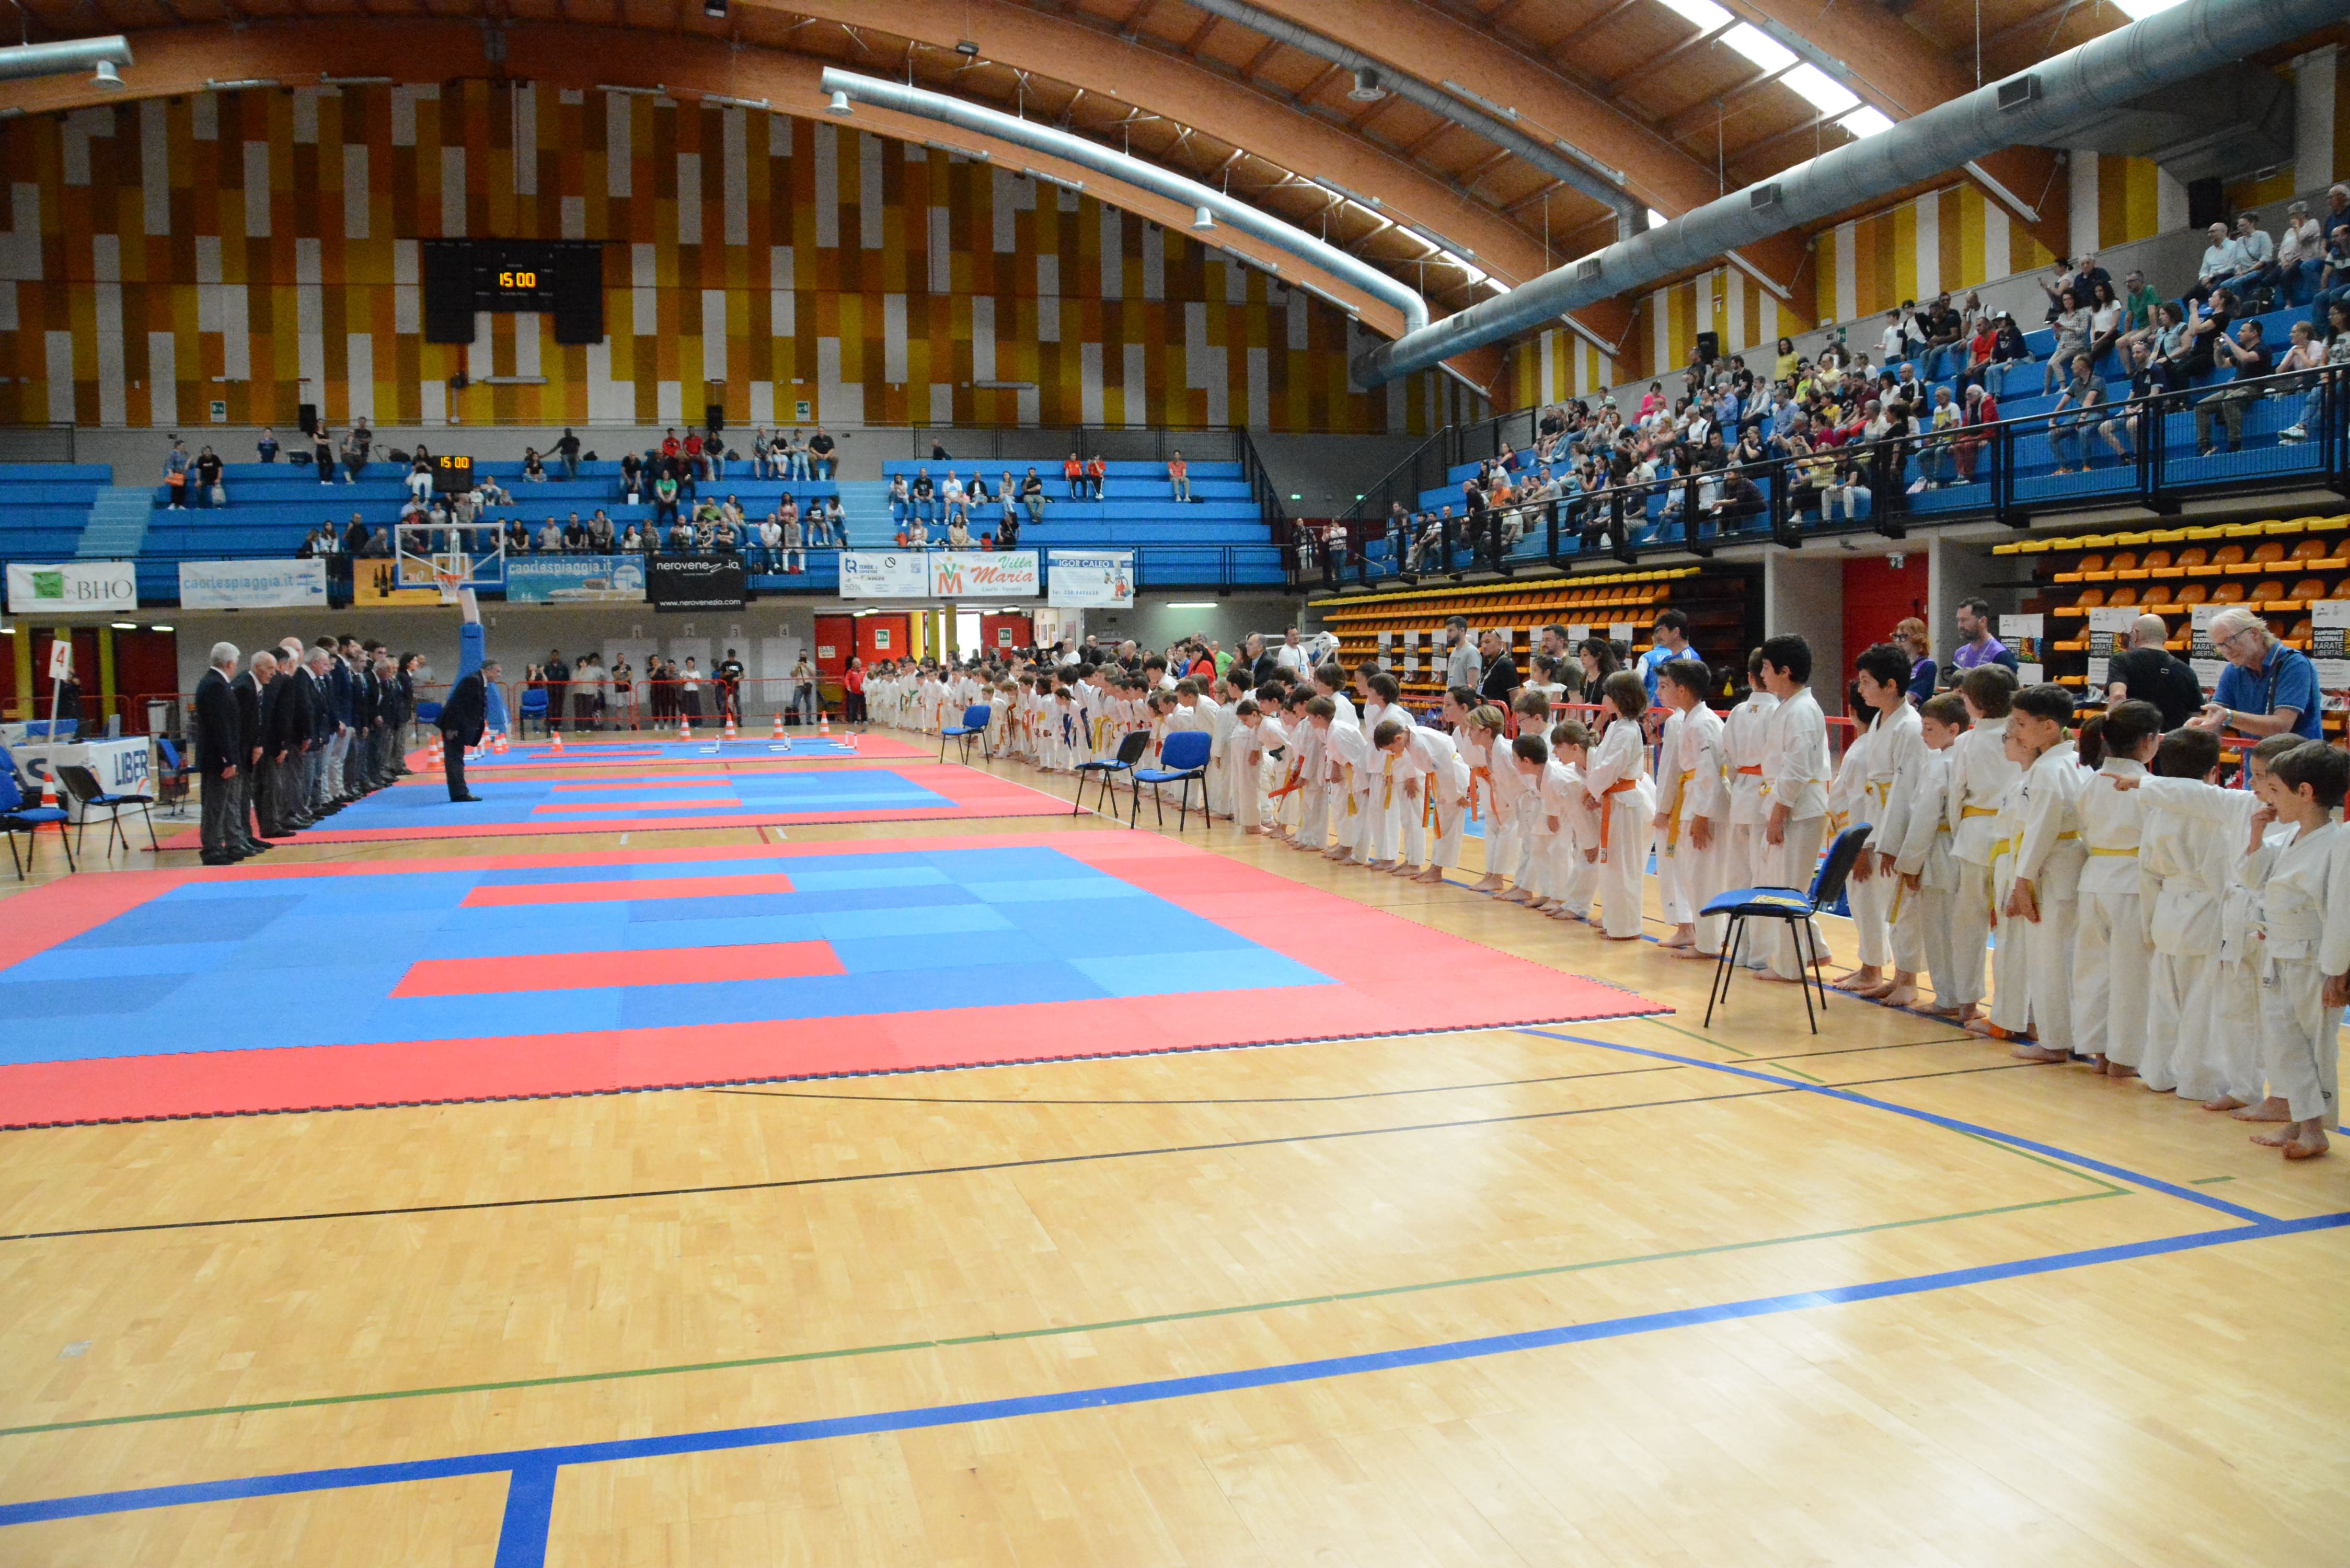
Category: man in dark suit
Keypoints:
(558, 687)
(286, 740)
(247, 688)
(219, 748)
(463, 718)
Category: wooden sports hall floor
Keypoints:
(1638, 1292)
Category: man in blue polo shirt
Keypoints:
(1670, 641)
(2267, 689)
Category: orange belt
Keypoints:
(1297, 782)
(1475, 774)
(1605, 812)
(1753, 770)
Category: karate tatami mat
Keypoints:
(642, 749)
(420, 808)
(192, 993)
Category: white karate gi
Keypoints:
(1980, 777)
(1924, 852)
(1616, 778)
(1794, 775)
(2049, 856)
(2111, 953)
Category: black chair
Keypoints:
(1130, 751)
(1792, 906)
(82, 785)
(974, 722)
(1185, 757)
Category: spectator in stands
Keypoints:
(2223, 258)
(900, 501)
(2256, 284)
(575, 537)
(2300, 254)
(420, 481)
(632, 479)
(379, 544)
(599, 533)
(792, 452)
(567, 451)
(557, 677)
(1032, 496)
(322, 452)
(923, 493)
(1980, 413)
(681, 534)
(355, 536)
(550, 538)
(2304, 351)
(1096, 475)
(309, 548)
(2071, 323)
(1945, 338)
(207, 480)
(1179, 477)
(633, 543)
(355, 442)
(2249, 359)
(179, 473)
(533, 469)
(665, 498)
(266, 451)
(517, 536)
(1073, 477)
(2107, 320)
(2334, 282)
(821, 462)
(788, 537)
(958, 532)
(2137, 364)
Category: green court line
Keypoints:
(1549, 1271)
(2209, 1180)
(1703, 1039)
(1794, 1072)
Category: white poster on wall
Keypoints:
(70, 585)
(2329, 645)
(1090, 579)
(884, 575)
(984, 575)
(253, 585)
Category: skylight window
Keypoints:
(1865, 121)
(1703, 15)
(2140, 10)
(1760, 47)
(1821, 91)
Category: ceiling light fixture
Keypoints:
(839, 106)
(1367, 88)
(714, 9)
(107, 77)
(967, 49)
(1202, 220)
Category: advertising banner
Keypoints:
(884, 575)
(253, 585)
(575, 579)
(1090, 579)
(72, 586)
(984, 575)
(693, 582)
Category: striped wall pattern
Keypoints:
(229, 256)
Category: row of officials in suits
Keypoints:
(296, 735)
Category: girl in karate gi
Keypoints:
(1616, 780)
(1445, 806)
(2111, 954)
(1921, 860)
(1574, 851)
(1692, 786)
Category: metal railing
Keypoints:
(2278, 432)
(1044, 444)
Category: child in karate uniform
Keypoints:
(2111, 953)
(1921, 860)
(1850, 802)
(1741, 743)
(1981, 773)
(1514, 803)
(1529, 760)
(2305, 941)
(1244, 762)
(1894, 740)
(1445, 806)
(1693, 807)
(1480, 733)
(1795, 774)
(1574, 847)
(1391, 796)
(1349, 754)
(2201, 1005)
(1615, 778)
(1313, 745)
(2045, 893)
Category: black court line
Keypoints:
(855, 1177)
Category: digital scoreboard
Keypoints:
(452, 473)
(561, 278)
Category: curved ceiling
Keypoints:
(1676, 97)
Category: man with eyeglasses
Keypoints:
(2267, 689)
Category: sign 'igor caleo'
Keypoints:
(938, 574)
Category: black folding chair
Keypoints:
(1130, 751)
(1792, 906)
(83, 785)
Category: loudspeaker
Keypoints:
(714, 418)
(1709, 347)
(448, 291)
(309, 416)
(2207, 203)
(580, 293)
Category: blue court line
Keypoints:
(530, 1492)
(2136, 1178)
(532, 1471)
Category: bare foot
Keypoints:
(1692, 953)
(2224, 1103)
(1856, 979)
(2276, 1139)
(1682, 936)
(2038, 1054)
(2272, 1109)
(1901, 996)
(1775, 978)
(1561, 912)
(1490, 884)
(2308, 1146)
(1981, 1023)
(1874, 992)
(2119, 1069)
(1433, 873)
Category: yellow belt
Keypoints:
(1680, 798)
(1978, 811)
(2132, 853)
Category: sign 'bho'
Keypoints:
(72, 586)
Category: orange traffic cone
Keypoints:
(555, 740)
(435, 758)
(823, 723)
(684, 728)
(779, 725)
(730, 726)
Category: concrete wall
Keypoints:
(1803, 595)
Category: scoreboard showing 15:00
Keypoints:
(513, 275)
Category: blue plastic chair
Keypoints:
(1130, 751)
(1792, 906)
(1184, 758)
(974, 722)
(16, 817)
(533, 706)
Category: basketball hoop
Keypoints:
(448, 581)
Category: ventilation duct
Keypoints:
(846, 85)
(2072, 89)
(63, 59)
(1604, 186)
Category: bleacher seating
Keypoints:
(43, 506)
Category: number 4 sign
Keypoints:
(61, 660)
